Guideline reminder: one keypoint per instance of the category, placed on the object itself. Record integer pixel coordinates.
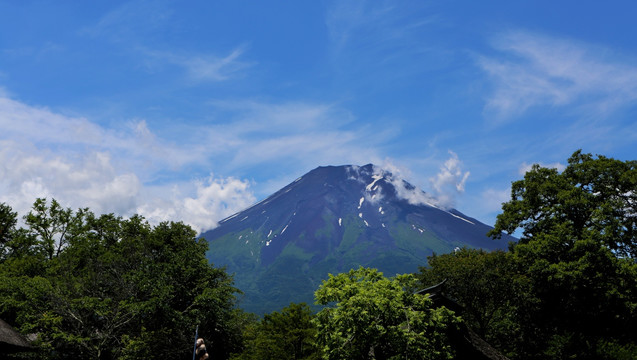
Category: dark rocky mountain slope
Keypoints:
(330, 220)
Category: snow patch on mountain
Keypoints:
(228, 218)
(460, 217)
(376, 177)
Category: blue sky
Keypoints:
(194, 110)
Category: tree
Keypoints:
(577, 250)
(371, 317)
(594, 197)
(8, 221)
(286, 335)
(53, 226)
(487, 286)
(103, 287)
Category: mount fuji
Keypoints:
(331, 220)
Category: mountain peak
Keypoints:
(330, 220)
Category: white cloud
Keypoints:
(131, 169)
(398, 179)
(446, 185)
(449, 181)
(30, 126)
(78, 181)
(81, 164)
(533, 70)
(214, 199)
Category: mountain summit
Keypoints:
(330, 220)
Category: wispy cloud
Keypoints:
(134, 26)
(201, 67)
(130, 21)
(532, 70)
(81, 164)
(297, 132)
(378, 32)
(26, 124)
(131, 169)
(344, 19)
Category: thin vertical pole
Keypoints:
(194, 350)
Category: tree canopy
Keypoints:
(103, 287)
(487, 286)
(577, 253)
(594, 198)
(368, 316)
(288, 334)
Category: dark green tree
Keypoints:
(577, 250)
(8, 221)
(368, 316)
(103, 287)
(285, 335)
(487, 286)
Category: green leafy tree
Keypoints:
(577, 250)
(285, 335)
(103, 287)
(53, 226)
(8, 221)
(594, 197)
(487, 286)
(368, 316)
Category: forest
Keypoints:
(85, 286)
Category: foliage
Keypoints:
(577, 253)
(372, 317)
(487, 286)
(595, 198)
(285, 335)
(103, 287)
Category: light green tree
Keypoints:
(368, 316)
